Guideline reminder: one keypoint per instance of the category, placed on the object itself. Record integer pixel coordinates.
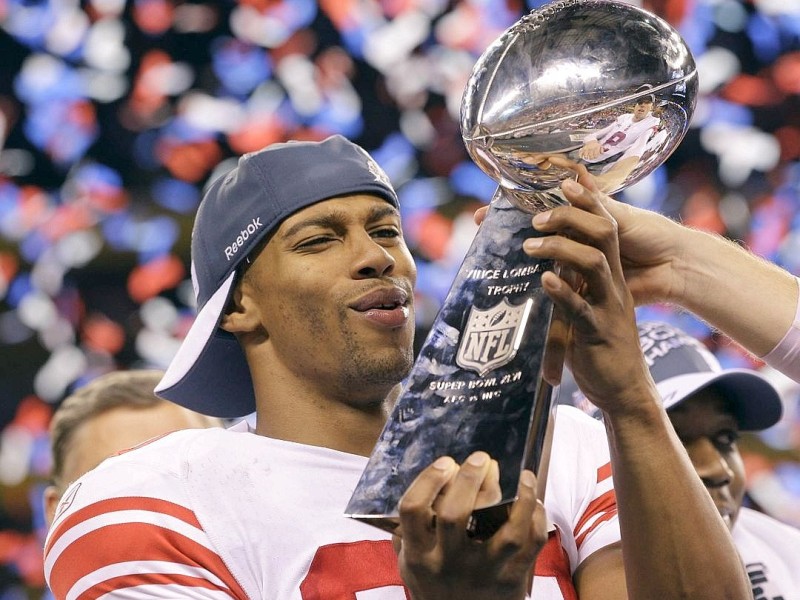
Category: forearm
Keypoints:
(674, 543)
(751, 300)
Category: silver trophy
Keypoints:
(592, 82)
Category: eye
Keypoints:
(386, 232)
(726, 439)
(315, 242)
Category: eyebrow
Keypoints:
(336, 219)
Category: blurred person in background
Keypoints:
(114, 412)
(709, 406)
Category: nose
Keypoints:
(709, 463)
(371, 259)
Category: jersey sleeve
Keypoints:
(126, 529)
(580, 495)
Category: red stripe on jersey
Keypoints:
(605, 503)
(605, 517)
(127, 581)
(114, 504)
(604, 472)
(553, 561)
(125, 542)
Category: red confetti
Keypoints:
(149, 280)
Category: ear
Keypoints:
(242, 315)
(50, 500)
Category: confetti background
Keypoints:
(114, 115)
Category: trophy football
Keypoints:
(593, 82)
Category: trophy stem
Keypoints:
(478, 381)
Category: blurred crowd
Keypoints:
(114, 115)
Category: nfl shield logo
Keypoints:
(492, 337)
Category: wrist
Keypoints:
(687, 271)
(641, 424)
(637, 403)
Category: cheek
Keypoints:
(736, 465)
(409, 266)
(302, 304)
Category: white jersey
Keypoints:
(624, 136)
(770, 551)
(219, 513)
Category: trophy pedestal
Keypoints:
(477, 383)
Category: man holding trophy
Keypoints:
(213, 513)
(306, 315)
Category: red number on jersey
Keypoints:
(614, 140)
(340, 571)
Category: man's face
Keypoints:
(709, 432)
(333, 291)
(642, 109)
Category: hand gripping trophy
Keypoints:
(596, 82)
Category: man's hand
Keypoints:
(590, 150)
(650, 245)
(603, 352)
(438, 558)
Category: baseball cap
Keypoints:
(682, 366)
(209, 373)
(647, 97)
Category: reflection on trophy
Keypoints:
(592, 82)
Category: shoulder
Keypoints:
(770, 551)
(152, 469)
(141, 497)
(625, 118)
(761, 525)
(580, 489)
(572, 421)
(578, 439)
(580, 449)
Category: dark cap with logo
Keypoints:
(682, 366)
(209, 373)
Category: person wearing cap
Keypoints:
(615, 149)
(305, 295)
(708, 406)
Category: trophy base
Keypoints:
(482, 524)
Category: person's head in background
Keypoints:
(708, 407)
(114, 412)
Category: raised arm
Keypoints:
(751, 300)
(675, 545)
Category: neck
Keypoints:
(314, 409)
(338, 427)
(299, 413)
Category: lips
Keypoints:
(726, 508)
(385, 307)
(382, 299)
